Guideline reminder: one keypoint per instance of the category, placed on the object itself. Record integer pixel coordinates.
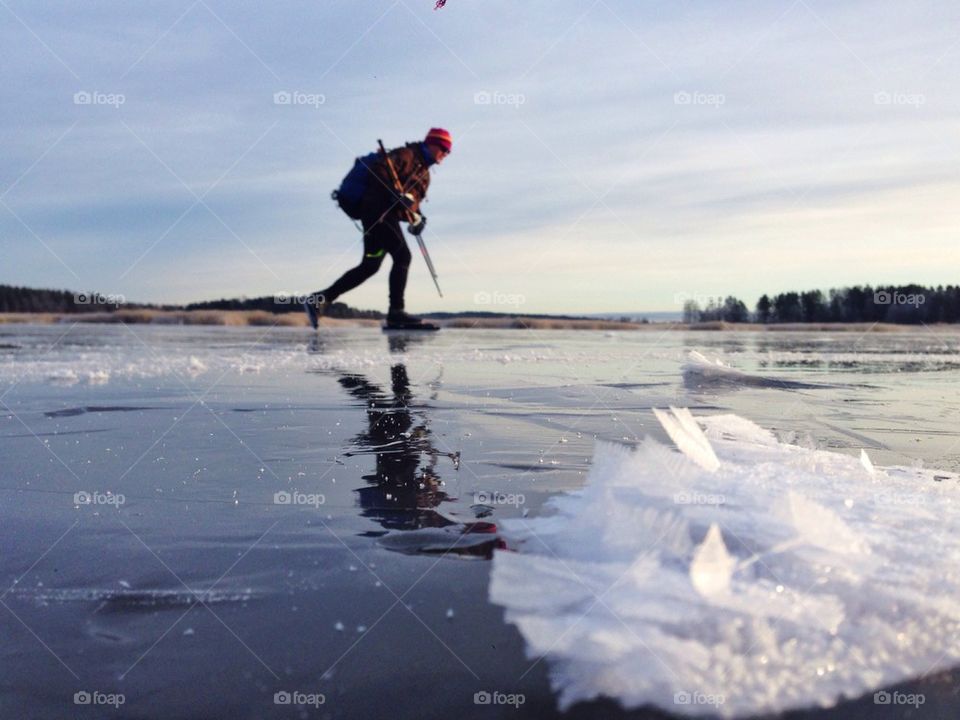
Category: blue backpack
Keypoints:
(354, 185)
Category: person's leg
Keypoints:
(373, 254)
(352, 278)
(400, 254)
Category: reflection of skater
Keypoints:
(368, 195)
(402, 494)
(399, 343)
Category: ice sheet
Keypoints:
(700, 371)
(783, 578)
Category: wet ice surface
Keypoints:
(314, 516)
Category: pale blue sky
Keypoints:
(632, 153)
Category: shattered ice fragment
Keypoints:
(712, 566)
(688, 437)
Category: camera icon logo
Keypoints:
(681, 698)
(82, 98)
(282, 698)
(682, 98)
(82, 498)
(82, 698)
(282, 498)
(881, 698)
(482, 98)
(482, 698)
(282, 98)
(882, 297)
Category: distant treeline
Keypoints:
(27, 300)
(282, 304)
(892, 304)
(31, 300)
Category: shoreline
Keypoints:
(261, 318)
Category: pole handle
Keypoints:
(397, 185)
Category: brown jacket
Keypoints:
(414, 174)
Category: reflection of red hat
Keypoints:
(440, 138)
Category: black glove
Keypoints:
(417, 224)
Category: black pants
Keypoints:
(380, 238)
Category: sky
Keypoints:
(609, 155)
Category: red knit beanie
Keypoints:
(441, 138)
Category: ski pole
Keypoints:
(426, 257)
(398, 187)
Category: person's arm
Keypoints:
(414, 176)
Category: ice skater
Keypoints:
(368, 194)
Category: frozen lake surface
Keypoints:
(198, 519)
